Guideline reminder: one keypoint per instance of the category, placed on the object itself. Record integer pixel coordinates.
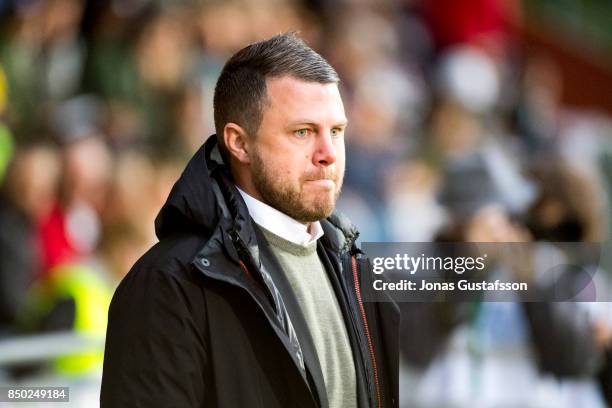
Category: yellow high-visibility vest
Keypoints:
(91, 296)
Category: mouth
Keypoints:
(325, 183)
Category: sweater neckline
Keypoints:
(301, 250)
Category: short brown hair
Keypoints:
(240, 93)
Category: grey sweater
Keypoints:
(315, 295)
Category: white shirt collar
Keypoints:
(281, 224)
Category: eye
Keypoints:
(336, 132)
(301, 133)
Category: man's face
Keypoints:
(297, 158)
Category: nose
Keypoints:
(325, 153)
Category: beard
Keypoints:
(303, 206)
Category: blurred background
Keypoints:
(470, 120)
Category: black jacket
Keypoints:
(206, 317)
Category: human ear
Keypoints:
(237, 142)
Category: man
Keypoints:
(252, 297)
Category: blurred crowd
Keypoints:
(456, 132)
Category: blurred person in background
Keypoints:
(384, 100)
(463, 134)
(414, 184)
(26, 198)
(538, 109)
(164, 58)
(144, 67)
(571, 207)
(132, 193)
(71, 231)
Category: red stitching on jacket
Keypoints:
(246, 270)
(367, 330)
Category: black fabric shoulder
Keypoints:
(155, 346)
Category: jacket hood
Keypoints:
(191, 204)
(204, 196)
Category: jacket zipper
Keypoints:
(243, 254)
(367, 330)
